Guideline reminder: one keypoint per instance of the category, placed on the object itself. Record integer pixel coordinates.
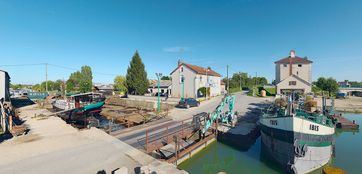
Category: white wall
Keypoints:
(193, 82)
(189, 83)
(304, 72)
(2, 84)
(300, 85)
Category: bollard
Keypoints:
(10, 128)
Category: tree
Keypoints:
(16, 86)
(120, 84)
(136, 78)
(80, 80)
(165, 78)
(330, 85)
(86, 84)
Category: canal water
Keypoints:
(219, 157)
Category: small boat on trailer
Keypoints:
(299, 141)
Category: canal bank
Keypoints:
(220, 157)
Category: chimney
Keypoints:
(179, 62)
(292, 54)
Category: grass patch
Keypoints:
(234, 90)
(257, 91)
(270, 91)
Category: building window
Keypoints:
(299, 65)
(200, 78)
(297, 73)
(182, 69)
(292, 83)
(285, 65)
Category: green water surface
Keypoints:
(218, 157)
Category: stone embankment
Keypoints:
(350, 104)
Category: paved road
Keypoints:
(243, 105)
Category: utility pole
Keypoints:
(46, 77)
(240, 80)
(207, 82)
(159, 75)
(227, 76)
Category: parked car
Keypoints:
(161, 94)
(188, 102)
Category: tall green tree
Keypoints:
(86, 84)
(136, 78)
(120, 84)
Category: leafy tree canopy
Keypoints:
(80, 80)
(120, 84)
(327, 84)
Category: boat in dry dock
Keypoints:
(82, 102)
(298, 140)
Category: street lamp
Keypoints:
(207, 82)
(158, 75)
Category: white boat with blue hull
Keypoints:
(299, 141)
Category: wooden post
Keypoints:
(182, 128)
(10, 128)
(216, 130)
(167, 134)
(146, 140)
(176, 149)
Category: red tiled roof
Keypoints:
(199, 70)
(295, 60)
(202, 70)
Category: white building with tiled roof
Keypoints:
(195, 77)
(4, 85)
(293, 74)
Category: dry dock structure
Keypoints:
(52, 146)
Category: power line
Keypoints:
(58, 66)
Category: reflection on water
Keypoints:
(221, 157)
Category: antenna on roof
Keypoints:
(179, 62)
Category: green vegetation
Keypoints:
(257, 91)
(80, 80)
(165, 78)
(234, 90)
(16, 86)
(136, 78)
(270, 91)
(52, 86)
(244, 81)
(329, 85)
(356, 84)
(204, 90)
(120, 84)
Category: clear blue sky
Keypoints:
(248, 35)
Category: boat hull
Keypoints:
(297, 144)
(284, 154)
